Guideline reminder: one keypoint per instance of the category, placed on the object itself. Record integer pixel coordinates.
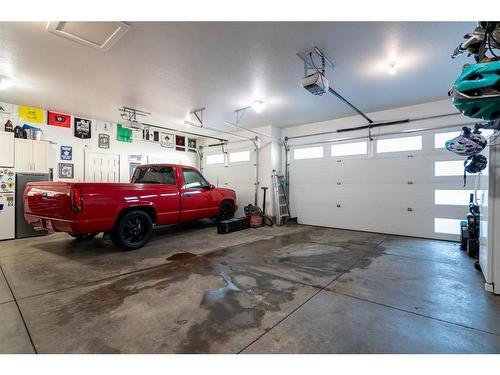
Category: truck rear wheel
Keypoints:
(84, 236)
(133, 230)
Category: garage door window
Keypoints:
(215, 159)
(308, 153)
(451, 168)
(447, 226)
(399, 144)
(235, 157)
(452, 197)
(345, 149)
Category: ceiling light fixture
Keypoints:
(392, 67)
(258, 106)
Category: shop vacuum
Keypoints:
(469, 230)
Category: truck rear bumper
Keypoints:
(68, 226)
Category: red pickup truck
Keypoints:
(157, 195)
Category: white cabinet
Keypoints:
(41, 156)
(31, 156)
(6, 149)
(24, 155)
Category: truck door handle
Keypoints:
(188, 195)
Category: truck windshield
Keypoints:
(154, 175)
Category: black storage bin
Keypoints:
(232, 225)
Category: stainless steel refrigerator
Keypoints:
(23, 229)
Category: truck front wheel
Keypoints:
(133, 230)
(226, 211)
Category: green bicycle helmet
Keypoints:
(476, 93)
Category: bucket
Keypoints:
(32, 132)
(255, 220)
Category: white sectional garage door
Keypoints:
(398, 192)
(237, 173)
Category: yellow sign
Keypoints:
(31, 114)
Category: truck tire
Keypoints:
(133, 230)
(84, 236)
(226, 211)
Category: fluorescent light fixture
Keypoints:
(258, 106)
(191, 123)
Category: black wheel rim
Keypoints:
(135, 230)
(226, 211)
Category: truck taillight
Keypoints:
(76, 199)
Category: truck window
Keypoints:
(154, 175)
(192, 179)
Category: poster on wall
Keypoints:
(103, 141)
(66, 170)
(66, 153)
(123, 134)
(104, 126)
(167, 140)
(145, 133)
(156, 136)
(83, 128)
(58, 119)
(180, 143)
(31, 114)
(8, 111)
(192, 143)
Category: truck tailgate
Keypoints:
(48, 199)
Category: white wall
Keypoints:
(234, 176)
(65, 137)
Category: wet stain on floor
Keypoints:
(181, 256)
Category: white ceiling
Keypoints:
(170, 68)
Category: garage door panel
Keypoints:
(388, 193)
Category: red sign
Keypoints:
(58, 119)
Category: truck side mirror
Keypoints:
(211, 186)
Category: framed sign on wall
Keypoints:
(180, 143)
(103, 141)
(66, 153)
(31, 114)
(58, 119)
(83, 128)
(104, 126)
(66, 170)
(167, 140)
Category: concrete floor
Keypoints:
(295, 289)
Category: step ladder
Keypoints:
(282, 208)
